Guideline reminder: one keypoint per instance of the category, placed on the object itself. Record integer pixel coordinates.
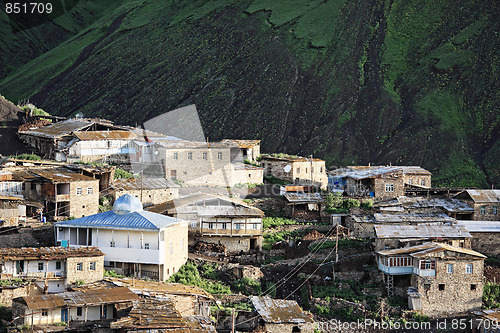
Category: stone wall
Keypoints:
(151, 196)
(451, 294)
(289, 328)
(84, 204)
(417, 180)
(487, 243)
(380, 187)
(488, 213)
(8, 293)
(86, 274)
(300, 171)
(176, 249)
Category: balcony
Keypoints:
(35, 275)
(392, 270)
(58, 197)
(229, 232)
(425, 272)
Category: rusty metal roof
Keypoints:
(104, 135)
(278, 311)
(211, 206)
(146, 183)
(493, 315)
(450, 205)
(412, 218)
(60, 175)
(241, 143)
(423, 250)
(48, 253)
(290, 158)
(421, 231)
(153, 313)
(480, 226)
(154, 287)
(480, 196)
(79, 298)
(59, 129)
(298, 198)
(242, 166)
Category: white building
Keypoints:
(135, 242)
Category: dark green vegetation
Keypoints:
(491, 295)
(407, 82)
(189, 274)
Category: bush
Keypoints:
(122, 174)
(491, 295)
(112, 274)
(367, 204)
(247, 286)
(29, 157)
(273, 222)
(190, 275)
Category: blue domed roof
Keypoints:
(127, 204)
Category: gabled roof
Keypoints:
(425, 249)
(480, 196)
(279, 311)
(363, 172)
(211, 206)
(241, 143)
(90, 297)
(412, 218)
(59, 129)
(60, 175)
(142, 220)
(286, 158)
(104, 135)
(450, 205)
(298, 198)
(420, 231)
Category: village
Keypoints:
(111, 228)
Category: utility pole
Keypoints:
(233, 320)
(142, 176)
(337, 244)
(311, 160)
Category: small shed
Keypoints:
(305, 206)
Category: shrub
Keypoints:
(491, 295)
(273, 222)
(29, 157)
(122, 174)
(367, 204)
(112, 274)
(247, 286)
(190, 275)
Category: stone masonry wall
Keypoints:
(86, 274)
(488, 212)
(486, 243)
(151, 196)
(84, 204)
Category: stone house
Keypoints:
(278, 316)
(486, 203)
(72, 306)
(296, 170)
(439, 279)
(485, 236)
(135, 242)
(416, 176)
(362, 225)
(64, 193)
(52, 141)
(243, 150)
(304, 206)
(389, 236)
(12, 211)
(188, 300)
(53, 268)
(218, 220)
(151, 191)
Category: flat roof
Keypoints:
(279, 311)
(449, 204)
(59, 129)
(290, 158)
(145, 183)
(298, 197)
(60, 175)
(48, 253)
(104, 135)
(241, 143)
(480, 226)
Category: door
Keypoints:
(64, 315)
(19, 267)
(104, 311)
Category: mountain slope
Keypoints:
(352, 82)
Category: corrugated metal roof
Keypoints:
(241, 143)
(145, 183)
(420, 231)
(484, 195)
(58, 175)
(59, 129)
(304, 197)
(142, 220)
(480, 226)
(363, 172)
(278, 311)
(290, 158)
(154, 287)
(241, 166)
(104, 135)
(425, 249)
(492, 315)
(211, 208)
(412, 218)
(152, 313)
(450, 205)
(80, 298)
(48, 253)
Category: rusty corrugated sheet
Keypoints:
(425, 249)
(59, 129)
(104, 135)
(480, 196)
(304, 197)
(60, 175)
(241, 143)
(146, 183)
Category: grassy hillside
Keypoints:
(352, 82)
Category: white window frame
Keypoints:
(175, 155)
(90, 190)
(78, 191)
(219, 155)
(389, 187)
(205, 156)
(469, 269)
(189, 155)
(449, 268)
(92, 266)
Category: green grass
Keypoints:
(443, 107)
(189, 275)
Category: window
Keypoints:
(255, 226)
(45, 313)
(90, 191)
(389, 187)
(112, 244)
(211, 226)
(79, 311)
(78, 191)
(449, 268)
(173, 174)
(190, 156)
(58, 265)
(399, 262)
(306, 170)
(495, 210)
(441, 287)
(298, 170)
(483, 210)
(146, 246)
(92, 266)
(469, 269)
(204, 156)
(410, 181)
(79, 266)
(472, 287)
(224, 225)
(176, 156)
(194, 224)
(422, 182)
(427, 264)
(321, 169)
(237, 226)
(40, 266)
(33, 186)
(219, 156)
(170, 247)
